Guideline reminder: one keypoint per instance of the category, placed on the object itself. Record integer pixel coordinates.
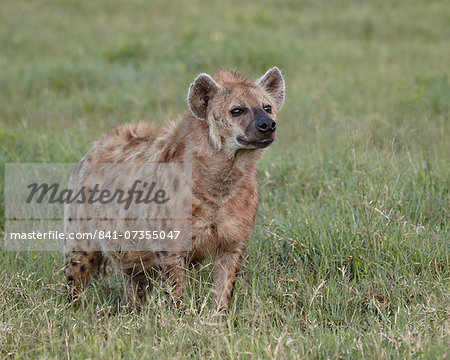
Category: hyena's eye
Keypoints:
(236, 112)
(267, 109)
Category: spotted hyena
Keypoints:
(229, 124)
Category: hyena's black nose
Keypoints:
(265, 124)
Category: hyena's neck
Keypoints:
(217, 170)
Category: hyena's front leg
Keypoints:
(226, 266)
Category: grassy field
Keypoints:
(350, 254)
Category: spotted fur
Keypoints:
(223, 150)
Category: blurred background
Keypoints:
(353, 223)
(79, 67)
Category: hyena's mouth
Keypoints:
(256, 144)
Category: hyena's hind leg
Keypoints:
(173, 273)
(79, 270)
(136, 291)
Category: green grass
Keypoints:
(350, 254)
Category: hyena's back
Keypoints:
(126, 143)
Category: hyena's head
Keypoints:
(241, 114)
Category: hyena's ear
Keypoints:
(200, 93)
(272, 81)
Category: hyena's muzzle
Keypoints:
(260, 132)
